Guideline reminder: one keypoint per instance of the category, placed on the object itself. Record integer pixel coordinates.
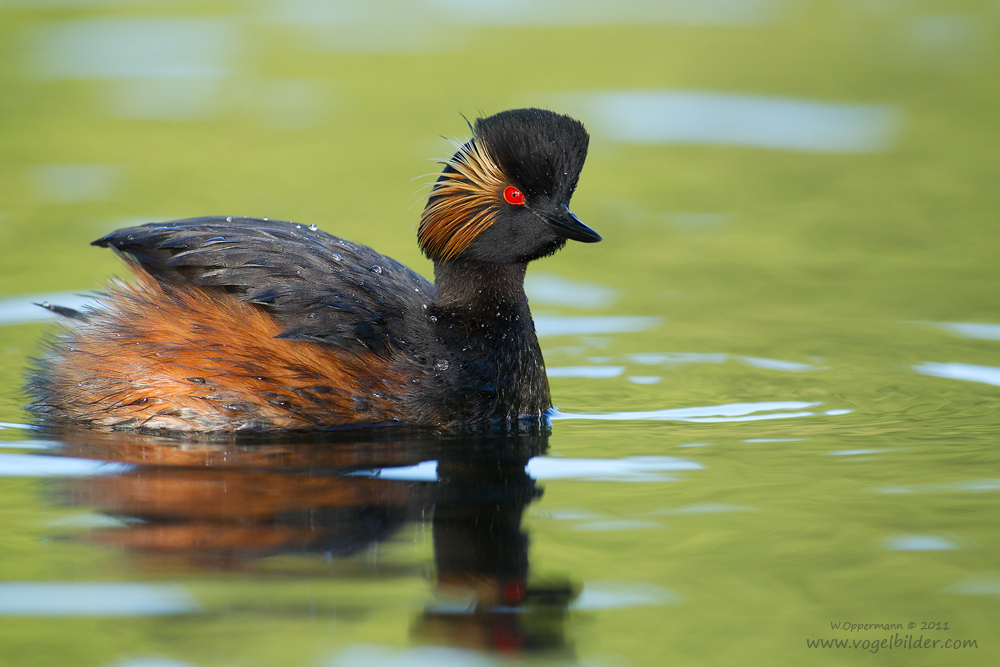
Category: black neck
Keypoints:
(480, 287)
(482, 329)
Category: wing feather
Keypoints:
(318, 287)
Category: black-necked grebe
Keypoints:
(244, 324)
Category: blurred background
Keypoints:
(797, 291)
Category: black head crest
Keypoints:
(538, 151)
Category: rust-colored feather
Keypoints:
(162, 356)
(463, 202)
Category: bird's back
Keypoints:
(236, 324)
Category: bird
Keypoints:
(244, 325)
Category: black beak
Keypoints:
(568, 226)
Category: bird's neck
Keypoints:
(480, 289)
(487, 361)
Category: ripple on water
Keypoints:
(552, 290)
(156, 68)
(621, 594)
(558, 325)
(732, 412)
(93, 599)
(584, 371)
(30, 444)
(977, 585)
(979, 330)
(678, 358)
(732, 119)
(365, 655)
(971, 486)
(919, 543)
(954, 371)
(630, 469)
(779, 365)
(657, 358)
(14, 425)
(610, 525)
(32, 465)
(706, 508)
(741, 13)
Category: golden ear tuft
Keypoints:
(462, 204)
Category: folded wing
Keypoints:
(318, 287)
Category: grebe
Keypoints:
(246, 324)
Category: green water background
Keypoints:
(839, 261)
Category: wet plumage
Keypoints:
(244, 324)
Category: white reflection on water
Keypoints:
(161, 67)
(975, 486)
(30, 465)
(702, 117)
(611, 525)
(621, 595)
(970, 372)
(976, 586)
(630, 469)
(567, 515)
(676, 358)
(919, 543)
(363, 26)
(19, 598)
(779, 365)
(550, 290)
(162, 48)
(707, 508)
(69, 183)
(29, 444)
(24, 309)
(89, 521)
(978, 330)
(584, 371)
(556, 325)
(395, 26)
(596, 12)
(715, 413)
(754, 440)
(27, 427)
(656, 358)
(367, 655)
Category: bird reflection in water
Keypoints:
(224, 505)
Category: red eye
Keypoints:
(513, 196)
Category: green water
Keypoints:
(821, 287)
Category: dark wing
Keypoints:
(319, 287)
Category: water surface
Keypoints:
(776, 378)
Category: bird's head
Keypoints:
(504, 196)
